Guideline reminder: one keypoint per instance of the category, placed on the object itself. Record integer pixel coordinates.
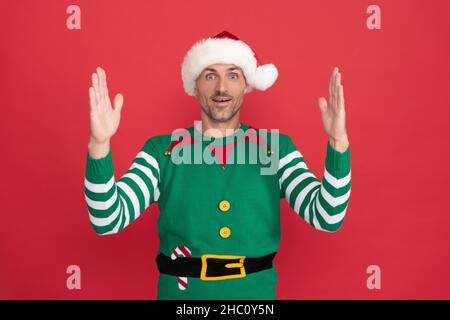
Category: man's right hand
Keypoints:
(104, 119)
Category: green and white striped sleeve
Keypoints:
(320, 203)
(112, 204)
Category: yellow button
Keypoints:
(225, 232)
(224, 205)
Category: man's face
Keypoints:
(220, 89)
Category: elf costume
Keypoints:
(219, 223)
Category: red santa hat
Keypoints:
(226, 48)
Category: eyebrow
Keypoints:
(214, 70)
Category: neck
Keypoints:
(218, 129)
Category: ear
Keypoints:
(247, 89)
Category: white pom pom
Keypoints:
(265, 76)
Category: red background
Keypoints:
(396, 82)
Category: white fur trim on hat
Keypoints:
(211, 51)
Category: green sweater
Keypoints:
(189, 194)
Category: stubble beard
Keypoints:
(216, 114)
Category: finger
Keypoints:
(332, 101)
(105, 85)
(337, 84)
(92, 99)
(95, 86)
(100, 82)
(330, 86)
(341, 98)
(333, 95)
(118, 102)
(332, 81)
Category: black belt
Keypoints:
(213, 267)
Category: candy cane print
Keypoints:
(183, 252)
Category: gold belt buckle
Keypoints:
(239, 265)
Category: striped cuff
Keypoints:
(99, 170)
(337, 163)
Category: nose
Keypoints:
(221, 85)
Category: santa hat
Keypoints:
(226, 48)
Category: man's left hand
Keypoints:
(333, 113)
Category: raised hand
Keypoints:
(333, 113)
(104, 119)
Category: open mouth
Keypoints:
(221, 99)
(221, 102)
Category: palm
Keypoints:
(104, 119)
(333, 112)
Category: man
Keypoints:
(219, 224)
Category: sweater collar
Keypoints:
(236, 135)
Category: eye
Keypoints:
(209, 75)
(234, 75)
